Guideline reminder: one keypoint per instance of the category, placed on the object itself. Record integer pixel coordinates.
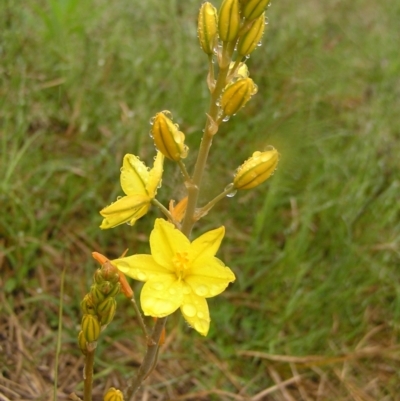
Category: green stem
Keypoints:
(205, 209)
(88, 375)
(209, 131)
(184, 171)
(167, 213)
(149, 361)
(140, 317)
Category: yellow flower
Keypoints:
(140, 186)
(179, 274)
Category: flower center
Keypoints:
(181, 263)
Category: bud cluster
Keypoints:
(99, 305)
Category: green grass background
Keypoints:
(315, 250)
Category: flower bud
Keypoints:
(87, 305)
(106, 310)
(82, 342)
(256, 169)
(113, 394)
(207, 27)
(167, 137)
(248, 42)
(96, 293)
(236, 95)
(229, 20)
(109, 272)
(90, 327)
(252, 9)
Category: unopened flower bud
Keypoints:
(87, 305)
(256, 169)
(252, 9)
(106, 310)
(236, 95)
(249, 41)
(229, 20)
(96, 293)
(82, 342)
(109, 272)
(98, 277)
(167, 137)
(90, 327)
(207, 27)
(106, 288)
(113, 394)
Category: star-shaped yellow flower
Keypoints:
(179, 274)
(140, 186)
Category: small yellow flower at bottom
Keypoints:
(255, 170)
(179, 274)
(140, 186)
(113, 394)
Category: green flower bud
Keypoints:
(249, 41)
(236, 95)
(167, 137)
(96, 293)
(82, 342)
(87, 305)
(98, 277)
(258, 168)
(106, 310)
(207, 27)
(90, 327)
(113, 394)
(115, 290)
(106, 288)
(229, 20)
(252, 9)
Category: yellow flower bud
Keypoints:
(252, 9)
(256, 169)
(236, 95)
(82, 342)
(106, 310)
(248, 42)
(242, 71)
(167, 137)
(90, 327)
(229, 20)
(113, 394)
(207, 27)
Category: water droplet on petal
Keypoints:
(172, 291)
(189, 310)
(200, 315)
(141, 276)
(201, 290)
(226, 119)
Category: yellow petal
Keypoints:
(134, 175)
(161, 297)
(155, 174)
(195, 311)
(207, 244)
(209, 277)
(165, 242)
(124, 210)
(141, 267)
